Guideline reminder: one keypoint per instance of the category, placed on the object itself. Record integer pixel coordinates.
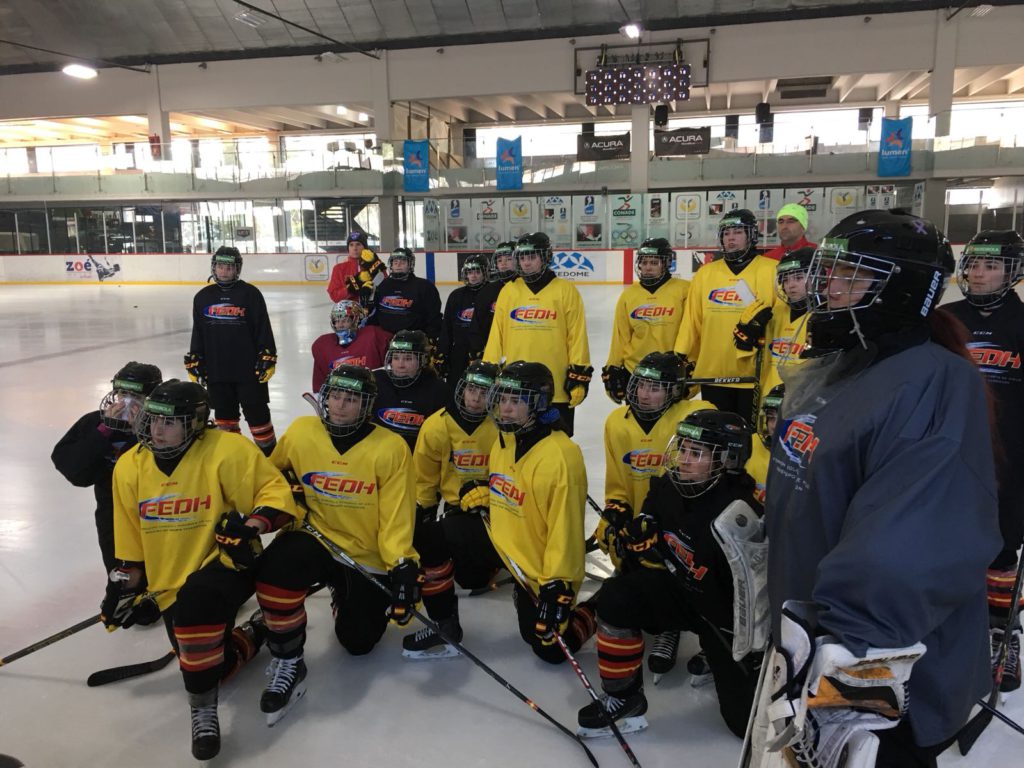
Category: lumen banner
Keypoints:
(416, 163)
(894, 148)
(509, 165)
(682, 141)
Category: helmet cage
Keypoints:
(194, 423)
(870, 272)
(736, 222)
(527, 249)
(129, 397)
(682, 444)
(474, 264)
(401, 346)
(480, 381)
(226, 258)
(346, 308)
(410, 259)
(651, 377)
(770, 405)
(1013, 271)
(336, 382)
(493, 273)
(790, 268)
(667, 262)
(537, 402)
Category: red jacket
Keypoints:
(775, 253)
(342, 271)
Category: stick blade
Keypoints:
(971, 732)
(117, 674)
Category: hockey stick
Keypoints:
(310, 398)
(496, 584)
(1000, 716)
(343, 557)
(50, 640)
(117, 674)
(977, 724)
(525, 584)
(723, 380)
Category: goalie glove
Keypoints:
(749, 331)
(577, 382)
(195, 368)
(266, 364)
(615, 378)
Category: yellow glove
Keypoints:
(475, 496)
(751, 310)
(266, 364)
(576, 396)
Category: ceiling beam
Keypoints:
(1015, 81)
(909, 83)
(769, 86)
(992, 75)
(891, 81)
(845, 84)
(244, 119)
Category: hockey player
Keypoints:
(189, 506)
(879, 552)
(767, 418)
(408, 390)
(647, 315)
(351, 342)
(88, 451)
(791, 224)
(991, 265)
(501, 270)
(452, 454)
(405, 302)
(357, 276)
(232, 352)
(359, 493)
(721, 291)
(681, 579)
(779, 333)
(453, 349)
(540, 317)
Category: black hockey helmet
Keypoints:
(738, 219)
(658, 371)
(474, 262)
(534, 242)
(507, 248)
(226, 254)
(411, 342)
(723, 435)
(990, 245)
(401, 253)
(348, 380)
(479, 375)
(656, 247)
(794, 263)
(875, 272)
(128, 389)
(769, 409)
(357, 237)
(174, 401)
(531, 383)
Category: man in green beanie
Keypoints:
(791, 224)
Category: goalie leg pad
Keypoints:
(740, 534)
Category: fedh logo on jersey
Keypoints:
(650, 313)
(401, 418)
(504, 487)
(730, 297)
(785, 347)
(395, 303)
(173, 508)
(467, 460)
(227, 312)
(684, 554)
(337, 485)
(643, 461)
(528, 315)
(349, 360)
(465, 316)
(991, 359)
(798, 439)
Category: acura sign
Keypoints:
(682, 141)
(589, 147)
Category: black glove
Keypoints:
(749, 331)
(577, 382)
(238, 541)
(475, 496)
(553, 609)
(266, 364)
(406, 583)
(615, 379)
(440, 364)
(617, 515)
(426, 514)
(195, 367)
(119, 608)
(641, 535)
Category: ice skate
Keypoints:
(426, 644)
(287, 685)
(205, 725)
(700, 670)
(662, 658)
(627, 713)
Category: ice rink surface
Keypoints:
(59, 348)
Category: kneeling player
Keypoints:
(359, 493)
(167, 533)
(351, 342)
(684, 580)
(408, 389)
(767, 418)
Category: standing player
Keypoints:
(408, 390)
(881, 508)
(88, 451)
(791, 224)
(540, 317)
(991, 265)
(647, 315)
(501, 270)
(189, 506)
(721, 292)
(767, 418)
(359, 493)
(405, 302)
(232, 351)
(680, 577)
(351, 342)
(453, 350)
(356, 277)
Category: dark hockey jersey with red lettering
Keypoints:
(230, 326)
(404, 409)
(483, 315)
(412, 304)
(458, 316)
(86, 456)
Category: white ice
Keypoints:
(59, 347)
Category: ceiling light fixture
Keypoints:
(981, 10)
(81, 71)
(631, 30)
(250, 19)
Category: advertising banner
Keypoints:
(456, 223)
(687, 218)
(509, 163)
(432, 240)
(894, 149)
(657, 208)
(556, 220)
(416, 162)
(521, 214)
(625, 220)
(682, 141)
(602, 147)
(487, 226)
(588, 221)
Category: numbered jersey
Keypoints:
(646, 321)
(447, 456)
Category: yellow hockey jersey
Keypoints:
(537, 506)
(716, 301)
(446, 457)
(784, 339)
(363, 500)
(548, 328)
(646, 322)
(168, 523)
(757, 467)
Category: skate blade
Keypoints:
(699, 681)
(656, 676)
(443, 652)
(274, 717)
(626, 725)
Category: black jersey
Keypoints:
(483, 315)
(230, 326)
(86, 456)
(404, 409)
(455, 342)
(412, 304)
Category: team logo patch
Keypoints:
(643, 461)
(336, 485)
(729, 297)
(465, 315)
(401, 418)
(990, 359)
(224, 312)
(469, 461)
(785, 347)
(684, 554)
(798, 439)
(649, 312)
(396, 303)
(504, 487)
(173, 508)
(532, 315)
(349, 360)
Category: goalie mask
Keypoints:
(346, 318)
(707, 444)
(226, 266)
(129, 388)
(401, 263)
(992, 263)
(655, 385)
(654, 260)
(521, 397)
(408, 354)
(472, 389)
(768, 413)
(174, 415)
(530, 248)
(735, 248)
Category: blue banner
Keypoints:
(510, 163)
(416, 160)
(894, 148)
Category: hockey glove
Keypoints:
(266, 364)
(425, 515)
(122, 606)
(475, 496)
(749, 331)
(553, 608)
(440, 364)
(195, 368)
(641, 535)
(616, 515)
(406, 583)
(577, 382)
(237, 541)
(474, 355)
(615, 379)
